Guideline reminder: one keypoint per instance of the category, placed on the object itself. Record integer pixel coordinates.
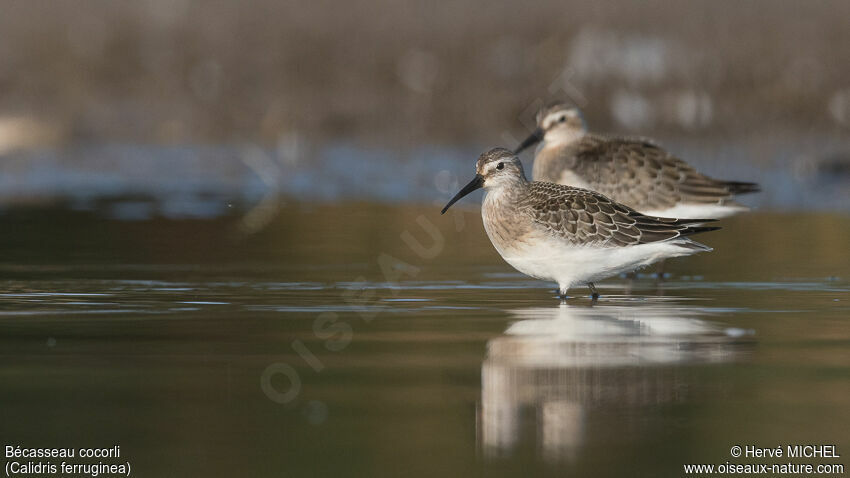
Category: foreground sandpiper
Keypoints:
(632, 171)
(569, 235)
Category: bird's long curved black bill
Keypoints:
(536, 137)
(476, 183)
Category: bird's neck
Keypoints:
(561, 137)
(505, 195)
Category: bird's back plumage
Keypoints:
(588, 218)
(636, 172)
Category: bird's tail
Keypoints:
(739, 187)
(697, 229)
(695, 226)
(693, 245)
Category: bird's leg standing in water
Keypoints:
(562, 294)
(593, 293)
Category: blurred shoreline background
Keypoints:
(190, 108)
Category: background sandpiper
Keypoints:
(632, 171)
(567, 234)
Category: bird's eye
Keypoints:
(562, 119)
(500, 166)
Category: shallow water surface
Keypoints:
(366, 340)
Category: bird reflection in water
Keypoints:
(547, 376)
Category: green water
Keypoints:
(329, 342)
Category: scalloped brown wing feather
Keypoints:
(584, 217)
(643, 175)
